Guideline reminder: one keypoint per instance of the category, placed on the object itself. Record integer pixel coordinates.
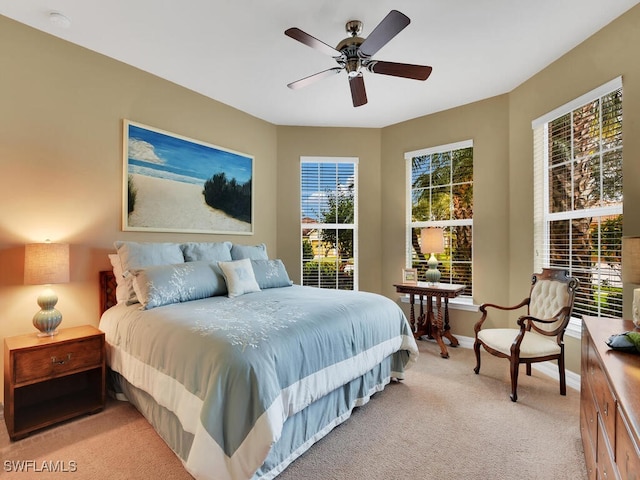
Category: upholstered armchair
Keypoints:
(541, 331)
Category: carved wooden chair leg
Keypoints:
(476, 348)
(514, 379)
(563, 380)
(529, 368)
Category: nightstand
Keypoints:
(51, 379)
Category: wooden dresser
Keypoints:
(610, 403)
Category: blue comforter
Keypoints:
(233, 370)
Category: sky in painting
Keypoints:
(164, 156)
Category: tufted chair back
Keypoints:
(547, 299)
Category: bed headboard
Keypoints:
(107, 290)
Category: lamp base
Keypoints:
(47, 319)
(47, 334)
(432, 275)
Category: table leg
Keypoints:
(447, 328)
(436, 329)
(428, 323)
(412, 315)
(421, 321)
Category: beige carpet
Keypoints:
(442, 422)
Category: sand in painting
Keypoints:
(167, 205)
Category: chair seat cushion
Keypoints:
(533, 344)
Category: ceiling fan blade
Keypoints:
(310, 41)
(406, 70)
(303, 82)
(358, 92)
(388, 28)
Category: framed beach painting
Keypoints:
(176, 184)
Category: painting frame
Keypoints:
(410, 276)
(173, 183)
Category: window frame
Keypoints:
(542, 215)
(410, 225)
(337, 226)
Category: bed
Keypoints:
(237, 369)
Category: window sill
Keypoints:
(574, 329)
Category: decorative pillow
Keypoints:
(270, 273)
(253, 252)
(212, 252)
(209, 251)
(240, 277)
(121, 285)
(164, 284)
(134, 256)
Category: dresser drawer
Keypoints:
(588, 418)
(50, 361)
(606, 469)
(604, 398)
(589, 440)
(627, 451)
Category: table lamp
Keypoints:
(432, 241)
(45, 264)
(631, 271)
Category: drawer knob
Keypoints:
(62, 361)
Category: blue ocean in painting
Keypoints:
(160, 155)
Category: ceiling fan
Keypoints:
(354, 53)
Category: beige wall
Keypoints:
(487, 124)
(61, 162)
(503, 167)
(294, 142)
(61, 166)
(606, 55)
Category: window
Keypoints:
(329, 219)
(578, 197)
(441, 195)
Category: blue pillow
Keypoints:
(207, 251)
(271, 273)
(253, 252)
(137, 255)
(164, 284)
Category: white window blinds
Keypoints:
(440, 194)
(328, 222)
(578, 197)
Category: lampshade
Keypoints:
(631, 260)
(432, 240)
(46, 263)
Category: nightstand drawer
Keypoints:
(47, 362)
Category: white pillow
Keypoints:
(134, 256)
(121, 285)
(239, 277)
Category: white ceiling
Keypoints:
(235, 51)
